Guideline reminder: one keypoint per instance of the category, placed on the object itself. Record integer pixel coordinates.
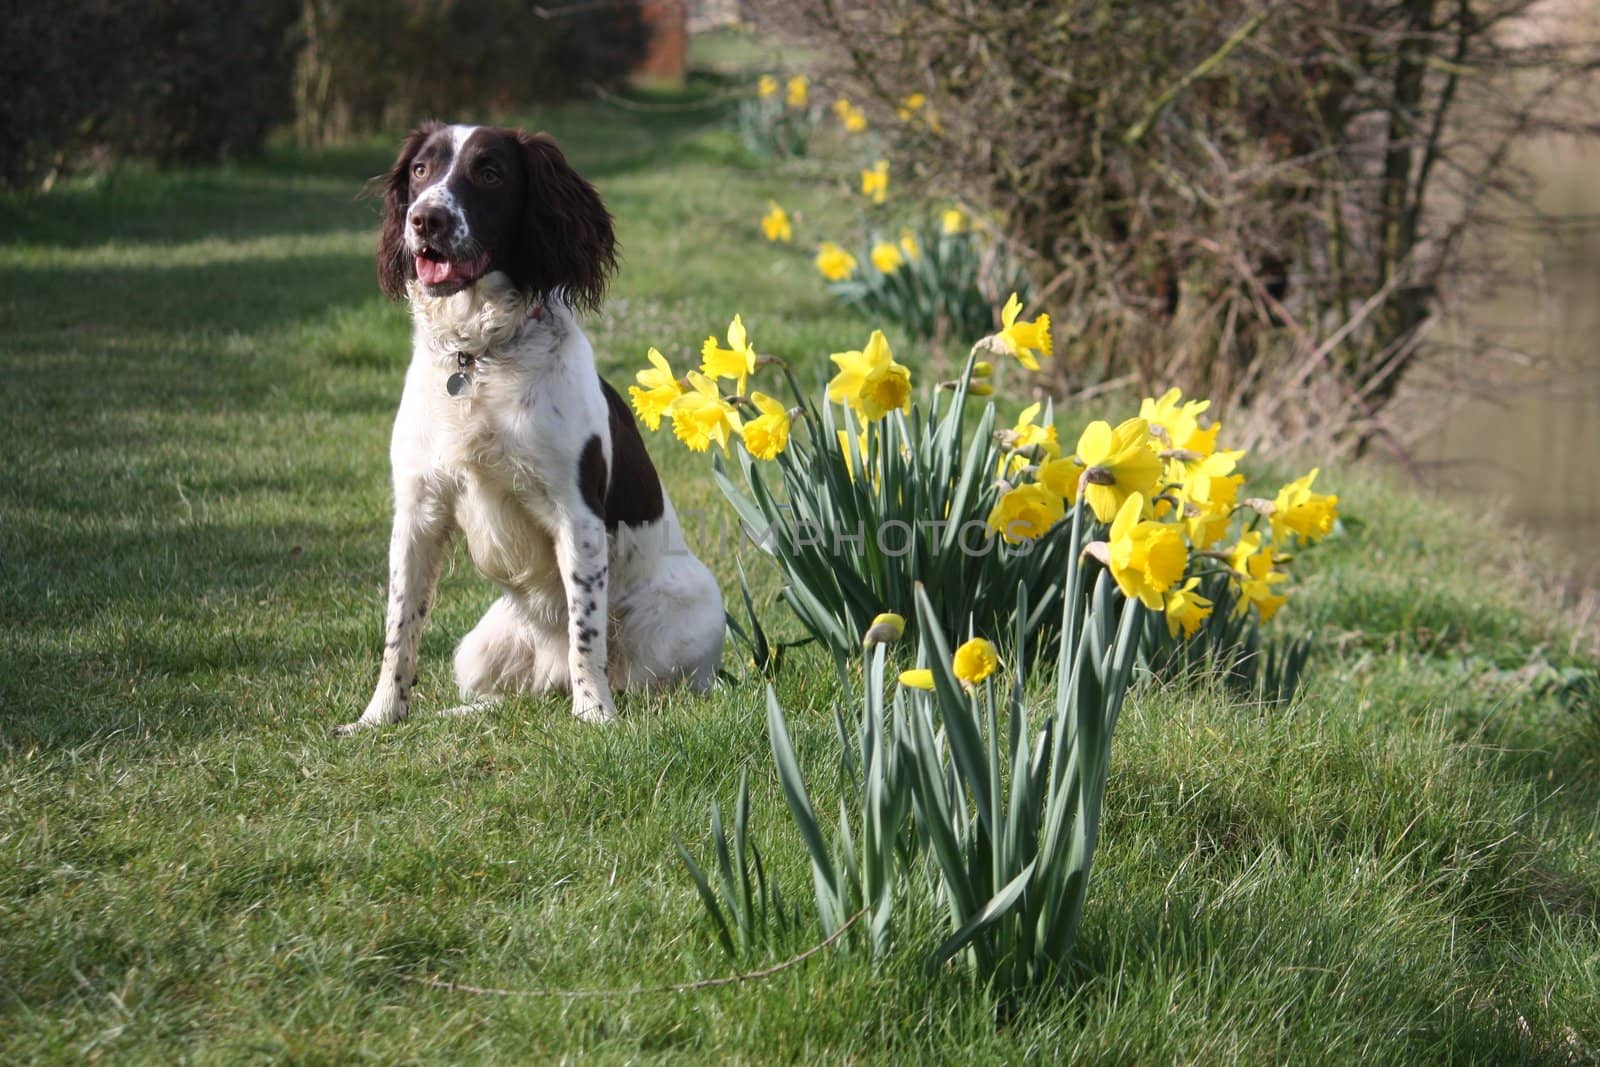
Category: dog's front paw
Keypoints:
(591, 701)
(380, 712)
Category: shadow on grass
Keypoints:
(48, 308)
(298, 191)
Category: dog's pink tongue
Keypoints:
(434, 271)
(441, 271)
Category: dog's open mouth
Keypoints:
(434, 268)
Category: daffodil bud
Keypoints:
(980, 389)
(886, 628)
(983, 369)
(974, 661)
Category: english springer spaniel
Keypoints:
(506, 431)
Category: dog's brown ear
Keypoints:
(567, 241)
(394, 263)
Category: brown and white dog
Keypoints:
(507, 433)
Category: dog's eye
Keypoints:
(489, 175)
(418, 170)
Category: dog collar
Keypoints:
(460, 381)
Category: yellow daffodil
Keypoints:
(875, 181)
(1298, 510)
(835, 263)
(909, 245)
(952, 220)
(1208, 507)
(701, 416)
(1125, 455)
(767, 86)
(1176, 418)
(799, 91)
(767, 435)
(661, 388)
(910, 105)
(870, 380)
(886, 257)
(1190, 449)
(737, 361)
(1029, 435)
(1112, 464)
(1243, 550)
(1253, 564)
(1028, 443)
(1146, 558)
(884, 629)
(775, 223)
(1186, 609)
(1063, 476)
(974, 661)
(854, 119)
(1023, 339)
(918, 678)
(1026, 513)
(1195, 468)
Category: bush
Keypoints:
(1264, 204)
(175, 81)
(372, 64)
(192, 81)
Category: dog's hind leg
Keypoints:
(507, 653)
(672, 629)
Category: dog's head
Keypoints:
(463, 201)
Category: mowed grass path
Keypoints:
(199, 382)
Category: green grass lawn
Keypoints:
(199, 381)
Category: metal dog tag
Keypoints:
(457, 384)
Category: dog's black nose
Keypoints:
(429, 221)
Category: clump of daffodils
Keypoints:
(779, 119)
(926, 277)
(710, 405)
(1159, 495)
(1169, 497)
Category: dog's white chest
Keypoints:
(505, 537)
(508, 505)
